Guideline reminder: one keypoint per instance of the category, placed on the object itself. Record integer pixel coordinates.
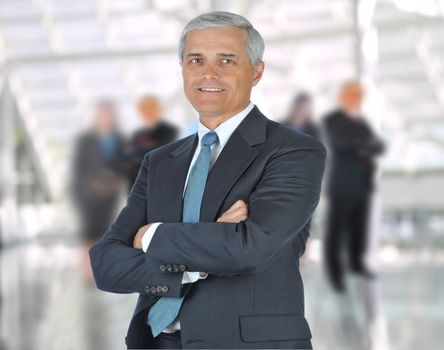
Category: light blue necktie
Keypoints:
(166, 309)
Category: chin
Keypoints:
(210, 112)
(208, 109)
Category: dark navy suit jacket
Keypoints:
(253, 296)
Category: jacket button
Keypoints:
(163, 268)
(153, 290)
(148, 289)
(169, 268)
(182, 268)
(159, 289)
(175, 268)
(164, 289)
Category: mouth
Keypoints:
(210, 90)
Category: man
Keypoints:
(353, 148)
(155, 133)
(214, 272)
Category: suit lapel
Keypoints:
(232, 162)
(170, 180)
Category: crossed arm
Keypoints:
(279, 207)
(356, 145)
(237, 212)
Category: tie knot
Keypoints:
(209, 138)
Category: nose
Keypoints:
(210, 72)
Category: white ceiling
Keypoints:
(63, 55)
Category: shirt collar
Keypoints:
(225, 129)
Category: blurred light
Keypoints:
(167, 5)
(424, 7)
(370, 46)
(366, 11)
(341, 10)
(389, 254)
(314, 252)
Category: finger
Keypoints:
(225, 217)
(237, 216)
(232, 219)
(225, 220)
(238, 204)
(241, 217)
(235, 212)
(231, 215)
(240, 211)
(143, 229)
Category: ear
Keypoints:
(258, 71)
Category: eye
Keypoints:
(227, 60)
(196, 60)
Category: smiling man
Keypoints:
(215, 223)
(217, 73)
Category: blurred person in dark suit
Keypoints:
(300, 116)
(352, 147)
(98, 176)
(155, 133)
(216, 222)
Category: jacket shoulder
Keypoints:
(283, 136)
(332, 116)
(164, 151)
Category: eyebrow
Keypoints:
(227, 54)
(220, 54)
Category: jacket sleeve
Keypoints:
(279, 207)
(352, 145)
(120, 268)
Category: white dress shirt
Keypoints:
(224, 131)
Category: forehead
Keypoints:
(352, 90)
(209, 39)
(148, 102)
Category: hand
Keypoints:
(137, 242)
(237, 212)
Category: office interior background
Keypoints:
(58, 58)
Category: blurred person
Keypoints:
(301, 114)
(98, 177)
(156, 132)
(352, 147)
(215, 223)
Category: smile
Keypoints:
(204, 89)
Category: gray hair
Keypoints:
(219, 19)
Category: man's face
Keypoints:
(217, 73)
(150, 111)
(351, 98)
(105, 119)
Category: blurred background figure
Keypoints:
(352, 149)
(98, 177)
(156, 132)
(58, 57)
(301, 115)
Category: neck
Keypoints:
(212, 122)
(351, 113)
(152, 123)
(103, 132)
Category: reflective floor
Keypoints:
(46, 304)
